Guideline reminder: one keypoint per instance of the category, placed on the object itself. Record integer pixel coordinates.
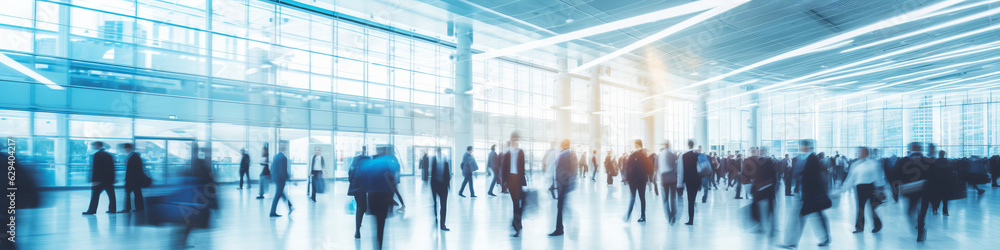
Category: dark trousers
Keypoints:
(439, 191)
(467, 181)
(247, 174)
(279, 193)
(517, 199)
(640, 188)
(670, 200)
(922, 213)
(788, 186)
(423, 173)
(139, 204)
(560, 203)
(739, 187)
(995, 177)
(313, 180)
(865, 192)
(380, 203)
(361, 198)
(493, 182)
(943, 204)
(692, 193)
(705, 182)
(95, 196)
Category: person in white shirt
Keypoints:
(513, 167)
(868, 178)
(316, 165)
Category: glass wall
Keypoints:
(964, 124)
(236, 75)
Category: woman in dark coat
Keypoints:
(815, 198)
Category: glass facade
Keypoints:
(964, 124)
(235, 74)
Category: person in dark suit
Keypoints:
(134, 179)
(995, 169)
(440, 182)
(279, 175)
(689, 178)
(244, 167)
(609, 167)
(102, 175)
(469, 166)
(593, 163)
(785, 167)
(764, 189)
(424, 161)
(639, 170)
(493, 168)
(814, 195)
(513, 167)
(565, 182)
(379, 180)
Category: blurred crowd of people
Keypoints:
(925, 179)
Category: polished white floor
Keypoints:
(593, 221)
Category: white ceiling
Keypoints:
(750, 33)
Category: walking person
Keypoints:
(469, 166)
(135, 179)
(639, 170)
(265, 172)
(424, 162)
(689, 178)
(668, 170)
(513, 168)
(440, 183)
(868, 180)
(764, 189)
(493, 169)
(102, 178)
(814, 198)
(244, 167)
(379, 185)
(565, 182)
(356, 188)
(316, 166)
(280, 177)
(593, 165)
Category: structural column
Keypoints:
(563, 98)
(595, 109)
(463, 85)
(651, 112)
(701, 120)
(754, 121)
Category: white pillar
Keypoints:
(463, 84)
(595, 107)
(563, 98)
(701, 120)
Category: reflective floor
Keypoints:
(593, 221)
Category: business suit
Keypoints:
(469, 165)
(690, 180)
(279, 174)
(245, 169)
(565, 181)
(493, 165)
(102, 174)
(995, 169)
(440, 181)
(423, 166)
(134, 176)
(515, 182)
(609, 165)
(638, 170)
(810, 173)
